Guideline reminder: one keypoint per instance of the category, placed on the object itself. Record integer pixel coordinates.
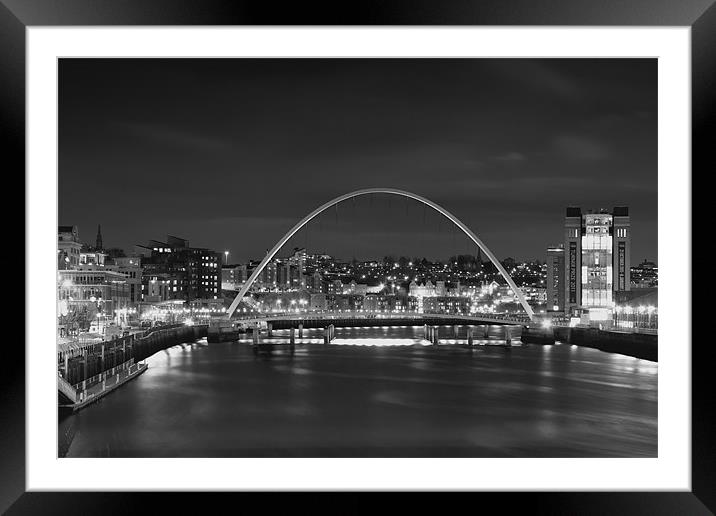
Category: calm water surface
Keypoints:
(361, 397)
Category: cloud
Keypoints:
(582, 148)
(541, 75)
(510, 156)
(173, 136)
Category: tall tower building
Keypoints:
(98, 243)
(555, 278)
(597, 258)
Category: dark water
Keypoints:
(363, 398)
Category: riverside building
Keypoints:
(597, 249)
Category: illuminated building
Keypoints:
(68, 247)
(343, 302)
(269, 276)
(417, 290)
(446, 305)
(335, 287)
(645, 275)
(92, 257)
(94, 293)
(131, 267)
(597, 259)
(231, 277)
(354, 287)
(315, 282)
(185, 272)
(389, 303)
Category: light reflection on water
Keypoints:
(380, 342)
(377, 392)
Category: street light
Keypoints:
(226, 254)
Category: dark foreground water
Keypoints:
(364, 398)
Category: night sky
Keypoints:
(230, 153)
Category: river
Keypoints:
(375, 392)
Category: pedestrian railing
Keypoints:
(109, 373)
(65, 388)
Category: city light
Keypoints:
(324, 284)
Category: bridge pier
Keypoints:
(269, 329)
(508, 335)
(293, 336)
(436, 335)
(455, 330)
(84, 378)
(300, 330)
(487, 331)
(469, 336)
(425, 332)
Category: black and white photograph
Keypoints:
(399, 247)
(357, 257)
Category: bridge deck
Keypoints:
(357, 318)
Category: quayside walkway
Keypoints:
(88, 371)
(95, 387)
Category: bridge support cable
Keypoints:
(392, 191)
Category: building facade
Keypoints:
(597, 251)
(446, 305)
(645, 275)
(555, 278)
(131, 267)
(93, 295)
(182, 271)
(68, 247)
(418, 290)
(389, 303)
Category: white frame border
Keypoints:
(670, 471)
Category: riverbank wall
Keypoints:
(83, 362)
(638, 345)
(532, 335)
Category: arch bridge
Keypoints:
(390, 191)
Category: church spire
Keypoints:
(98, 244)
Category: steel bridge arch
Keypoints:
(367, 191)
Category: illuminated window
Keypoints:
(596, 269)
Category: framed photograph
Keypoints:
(414, 250)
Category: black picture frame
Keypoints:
(17, 15)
